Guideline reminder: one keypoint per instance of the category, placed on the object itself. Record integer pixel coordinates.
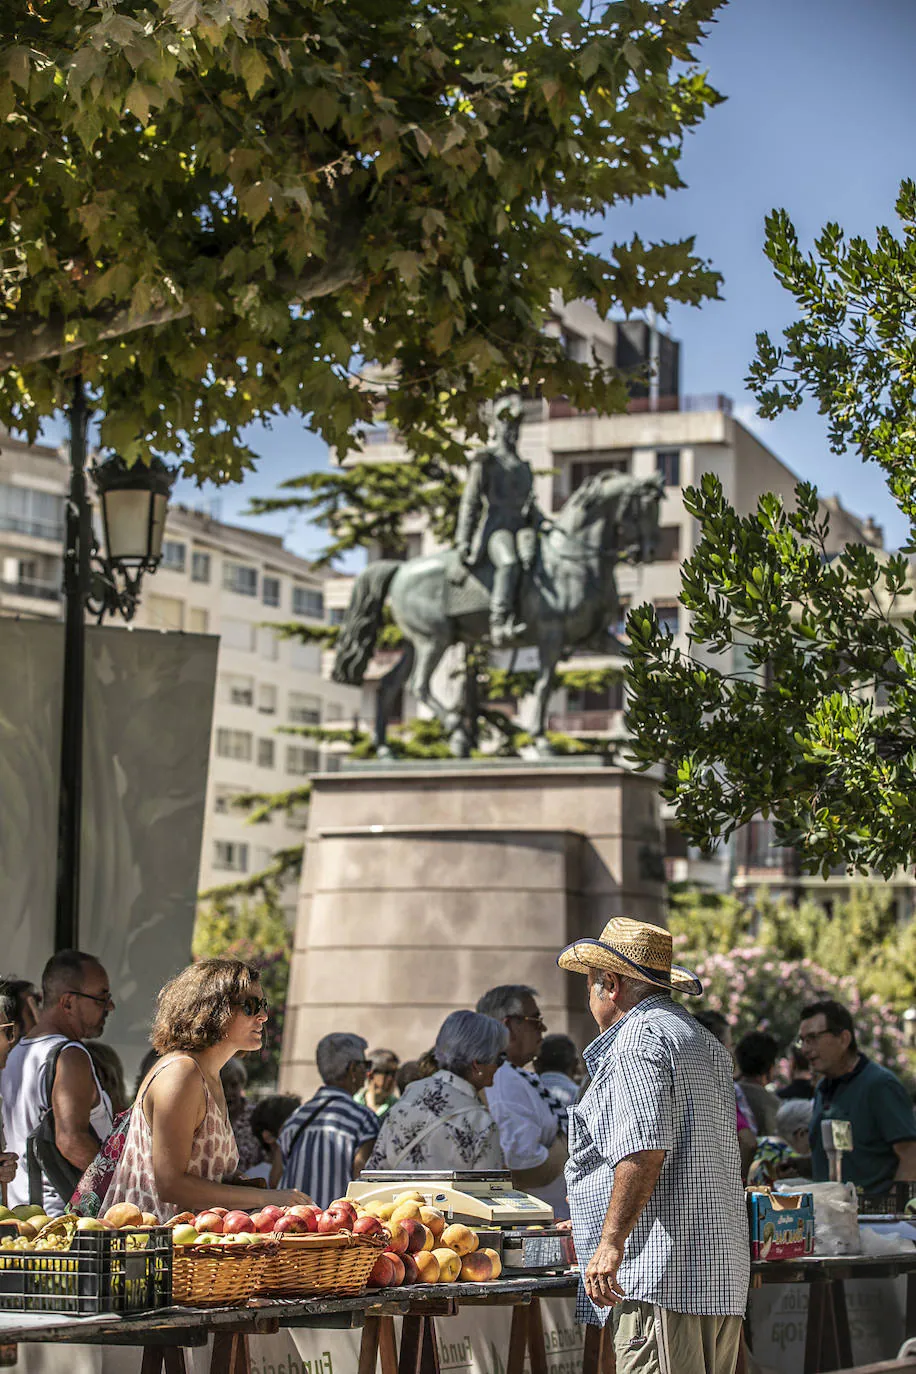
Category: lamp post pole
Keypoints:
(76, 587)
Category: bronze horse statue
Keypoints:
(567, 601)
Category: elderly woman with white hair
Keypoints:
(788, 1153)
(442, 1122)
(328, 1139)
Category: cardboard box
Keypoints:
(781, 1225)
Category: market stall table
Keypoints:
(163, 1334)
(827, 1340)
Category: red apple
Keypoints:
(220, 1211)
(382, 1275)
(308, 1215)
(265, 1223)
(289, 1225)
(271, 1211)
(367, 1226)
(329, 1223)
(235, 1222)
(209, 1221)
(397, 1262)
(411, 1272)
(342, 1203)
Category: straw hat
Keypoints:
(635, 950)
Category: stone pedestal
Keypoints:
(424, 885)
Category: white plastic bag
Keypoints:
(836, 1218)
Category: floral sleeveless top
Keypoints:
(214, 1154)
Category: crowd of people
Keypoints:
(645, 1141)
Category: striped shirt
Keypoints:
(320, 1162)
(660, 1081)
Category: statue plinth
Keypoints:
(424, 886)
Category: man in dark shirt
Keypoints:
(855, 1089)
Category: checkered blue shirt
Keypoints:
(660, 1081)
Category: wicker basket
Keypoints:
(214, 1276)
(306, 1265)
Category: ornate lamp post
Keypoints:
(133, 502)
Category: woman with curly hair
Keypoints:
(180, 1150)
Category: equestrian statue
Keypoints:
(514, 579)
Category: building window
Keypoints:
(669, 617)
(173, 555)
(222, 799)
(337, 615)
(268, 644)
(582, 469)
(239, 578)
(198, 621)
(239, 690)
(165, 612)
(301, 761)
(308, 602)
(668, 463)
(238, 634)
(609, 698)
(230, 856)
(200, 566)
(234, 744)
(668, 544)
(26, 511)
(304, 710)
(305, 658)
(619, 626)
(267, 699)
(265, 753)
(270, 591)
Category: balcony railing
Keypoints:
(561, 409)
(37, 529)
(39, 591)
(583, 722)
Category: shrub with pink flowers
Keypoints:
(757, 990)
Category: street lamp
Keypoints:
(133, 501)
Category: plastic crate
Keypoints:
(891, 1203)
(103, 1271)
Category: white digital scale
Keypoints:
(472, 1196)
(521, 1226)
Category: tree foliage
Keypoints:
(797, 698)
(215, 209)
(760, 966)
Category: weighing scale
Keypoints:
(485, 1200)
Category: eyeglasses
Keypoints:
(535, 1021)
(255, 1006)
(804, 1041)
(90, 997)
(362, 1064)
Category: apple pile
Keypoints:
(419, 1245)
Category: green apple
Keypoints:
(208, 1238)
(184, 1235)
(5, 1214)
(27, 1211)
(90, 1224)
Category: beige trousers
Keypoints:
(652, 1340)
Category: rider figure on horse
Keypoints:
(499, 518)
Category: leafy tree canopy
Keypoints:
(216, 208)
(797, 698)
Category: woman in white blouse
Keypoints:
(443, 1122)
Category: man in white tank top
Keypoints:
(76, 1000)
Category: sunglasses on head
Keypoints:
(255, 1006)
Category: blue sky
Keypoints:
(819, 119)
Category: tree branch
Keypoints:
(33, 340)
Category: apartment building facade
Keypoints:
(223, 580)
(34, 480)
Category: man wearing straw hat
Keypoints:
(654, 1176)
